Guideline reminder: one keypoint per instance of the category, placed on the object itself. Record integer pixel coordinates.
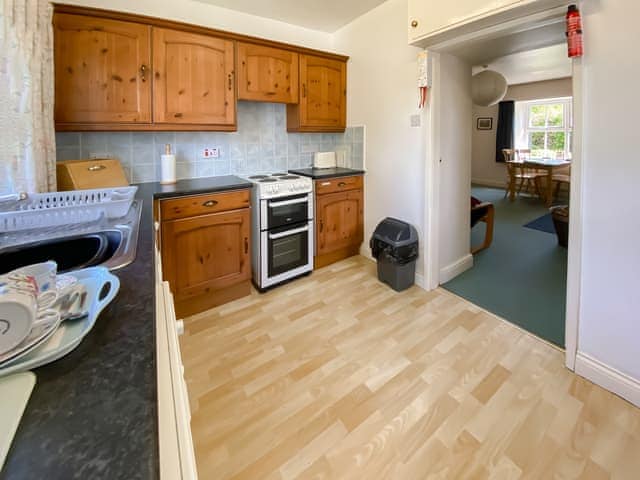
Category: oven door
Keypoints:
(286, 253)
(286, 211)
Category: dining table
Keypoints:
(549, 165)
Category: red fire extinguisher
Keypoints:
(574, 32)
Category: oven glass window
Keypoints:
(288, 252)
(287, 211)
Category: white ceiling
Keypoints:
(484, 51)
(323, 15)
(532, 66)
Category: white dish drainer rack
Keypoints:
(40, 210)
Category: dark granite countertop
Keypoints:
(93, 413)
(194, 186)
(319, 173)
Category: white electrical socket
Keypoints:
(211, 152)
(97, 155)
(415, 120)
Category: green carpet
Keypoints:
(522, 275)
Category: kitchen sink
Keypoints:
(109, 243)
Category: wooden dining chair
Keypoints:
(519, 177)
(535, 175)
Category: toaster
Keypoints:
(324, 160)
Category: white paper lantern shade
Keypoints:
(488, 88)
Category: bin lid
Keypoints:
(395, 232)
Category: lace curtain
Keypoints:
(27, 138)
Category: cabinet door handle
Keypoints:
(210, 203)
(143, 73)
(414, 23)
(95, 168)
(321, 225)
(342, 184)
(304, 90)
(246, 245)
(230, 78)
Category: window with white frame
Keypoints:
(547, 127)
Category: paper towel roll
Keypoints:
(167, 166)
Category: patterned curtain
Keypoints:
(27, 137)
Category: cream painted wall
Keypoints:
(382, 94)
(484, 168)
(455, 166)
(609, 326)
(208, 15)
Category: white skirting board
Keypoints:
(456, 268)
(608, 378)
(488, 183)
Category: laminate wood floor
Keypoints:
(336, 376)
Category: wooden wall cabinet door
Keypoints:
(339, 221)
(267, 74)
(193, 79)
(206, 253)
(101, 70)
(323, 96)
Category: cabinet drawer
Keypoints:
(192, 206)
(339, 184)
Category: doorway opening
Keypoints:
(520, 271)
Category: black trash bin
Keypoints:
(394, 244)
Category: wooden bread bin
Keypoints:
(88, 174)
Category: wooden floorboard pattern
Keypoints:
(335, 376)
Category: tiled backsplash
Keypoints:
(261, 144)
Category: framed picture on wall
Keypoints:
(485, 123)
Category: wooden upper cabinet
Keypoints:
(193, 79)
(119, 71)
(340, 221)
(267, 74)
(101, 70)
(323, 96)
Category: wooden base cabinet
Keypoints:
(205, 257)
(339, 219)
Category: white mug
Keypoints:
(44, 276)
(18, 312)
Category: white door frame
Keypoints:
(432, 190)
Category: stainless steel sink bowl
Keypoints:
(110, 243)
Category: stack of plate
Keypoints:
(50, 340)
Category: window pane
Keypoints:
(536, 144)
(555, 142)
(537, 115)
(556, 115)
